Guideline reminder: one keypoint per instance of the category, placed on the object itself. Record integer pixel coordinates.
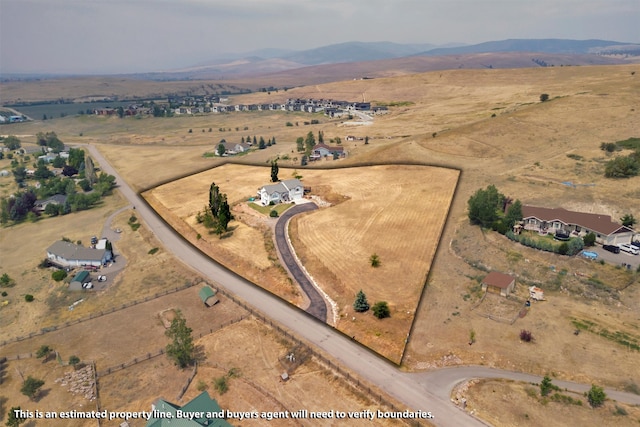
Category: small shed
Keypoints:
(499, 283)
(208, 296)
(78, 280)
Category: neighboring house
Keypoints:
(205, 410)
(208, 296)
(232, 148)
(562, 221)
(323, 150)
(41, 205)
(67, 254)
(283, 192)
(499, 283)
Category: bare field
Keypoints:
(508, 403)
(396, 212)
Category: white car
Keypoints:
(102, 278)
(87, 285)
(629, 249)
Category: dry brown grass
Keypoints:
(396, 212)
(523, 151)
(507, 403)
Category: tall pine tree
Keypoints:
(361, 305)
(274, 171)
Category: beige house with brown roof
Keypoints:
(576, 223)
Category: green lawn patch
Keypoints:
(267, 209)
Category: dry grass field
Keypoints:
(396, 212)
(523, 150)
(506, 403)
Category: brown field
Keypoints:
(396, 212)
(522, 150)
(509, 403)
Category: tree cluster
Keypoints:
(217, 215)
(11, 142)
(572, 247)
(51, 140)
(487, 206)
(623, 166)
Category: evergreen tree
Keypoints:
(300, 144)
(274, 171)
(255, 141)
(320, 137)
(361, 305)
(309, 143)
(181, 347)
(224, 215)
(273, 140)
(214, 199)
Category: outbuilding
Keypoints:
(208, 296)
(499, 283)
(78, 280)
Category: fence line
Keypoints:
(92, 316)
(186, 386)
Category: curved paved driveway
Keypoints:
(419, 391)
(317, 306)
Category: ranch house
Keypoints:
(323, 150)
(283, 192)
(499, 283)
(67, 254)
(563, 222)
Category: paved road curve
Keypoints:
(317, 306)
(419, 391)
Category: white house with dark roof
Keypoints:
(577, 223)
(285, 191)
(67, 254)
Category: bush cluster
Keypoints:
(574, 246)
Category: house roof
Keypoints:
(202, 403)
(499, 280)
(70, 251)
(282, 186)
(205, 293)
(328, 147)
(58, 199)
(596, 222)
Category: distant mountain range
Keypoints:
(267, 61)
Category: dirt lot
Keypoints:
(507, 403)
(335, 243)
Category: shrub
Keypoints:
(273, 213)
(596, 396)
(381, 310)
(374, 260)
(526, 336)
(43, 351)
(153, 251)
(28, 297)
(221, 384)
(589, 239)
(4, 294)
(544, 97)
(59, 275)
(74, 360)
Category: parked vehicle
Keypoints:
(636, 245)
(87, 285)
(625, 247)
(611, 248)
(102, 278)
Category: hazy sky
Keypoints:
(109, 36)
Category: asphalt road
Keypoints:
(427, 391)
(317, 306)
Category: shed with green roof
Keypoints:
(208, 296)
(203, 404)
